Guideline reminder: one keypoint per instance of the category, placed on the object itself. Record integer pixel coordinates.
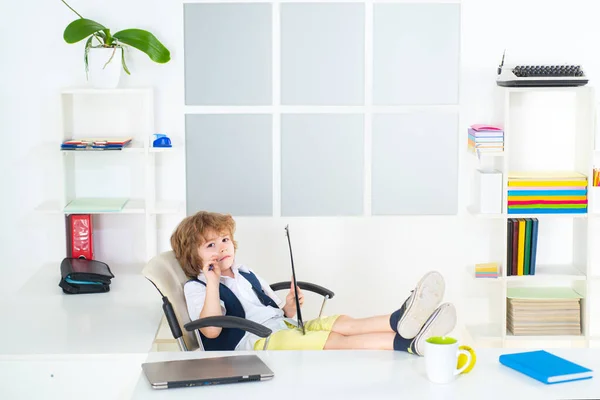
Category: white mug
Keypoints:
(441, 359)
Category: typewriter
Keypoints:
(540, 75)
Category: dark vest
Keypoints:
(229, 337)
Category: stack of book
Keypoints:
(487, 270)
(485, 139)
(521, 246)
(543, 311)
(96, 143)
(547, 193)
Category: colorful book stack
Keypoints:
(521, 246)
(543, 311)
(96, 143)
(485, 139)
(487, 270)
(547, 193)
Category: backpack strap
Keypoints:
(229, 338)
(256, 286)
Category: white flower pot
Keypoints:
(103, 74)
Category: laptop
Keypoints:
(298, 310)
(206, 371)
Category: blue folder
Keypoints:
(545, 367)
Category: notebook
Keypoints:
(545, 367)
(206, 371)
(96, 204)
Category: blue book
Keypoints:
(534, 236)
(545, 367)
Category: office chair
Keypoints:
(167, 276)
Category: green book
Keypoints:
(527, 257)
(541, 292)
(96, 204)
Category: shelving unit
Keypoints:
(130, 172)
(545, 129)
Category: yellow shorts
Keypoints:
(317, 332)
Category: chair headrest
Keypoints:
(166, 274)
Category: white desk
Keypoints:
(380, 375)
(61, 377)
(40, 319)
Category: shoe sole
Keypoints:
(441, 325)
(426, 297)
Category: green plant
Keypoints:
(140, 39)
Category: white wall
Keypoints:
(371, 263)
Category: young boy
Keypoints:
(205, 247)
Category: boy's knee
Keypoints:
(334, 341)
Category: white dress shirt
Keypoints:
(272, 318)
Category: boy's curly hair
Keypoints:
(189, 236)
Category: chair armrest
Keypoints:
(311, 287)
(228, 321)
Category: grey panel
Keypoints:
(322, 54)
(322, 165)
(229, 164)
(227, 54)
(416, 53)
(415, 164)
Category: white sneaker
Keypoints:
(423, 301)
(440, 323)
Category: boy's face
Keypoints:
(217, 249)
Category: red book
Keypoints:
(80, 236)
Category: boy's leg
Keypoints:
(441, 322)
(408, 320)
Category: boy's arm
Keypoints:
(211, 308)
(212, 302)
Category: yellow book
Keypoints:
(524, 182)
(521, 253)
(487, 265)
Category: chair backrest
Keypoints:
(167, 275)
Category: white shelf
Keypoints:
(133, 206)
(566, 272)
(552, 272)
(163, 149)
(84, 115)
(528, 146)
(476, 214)
(85, 90)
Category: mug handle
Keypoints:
(469, 362)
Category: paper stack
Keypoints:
(485, 139)
(96, 143)
(547, 193)
(487, 270)
(543, 311)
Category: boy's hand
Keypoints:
(290, 302)
(212, 272)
